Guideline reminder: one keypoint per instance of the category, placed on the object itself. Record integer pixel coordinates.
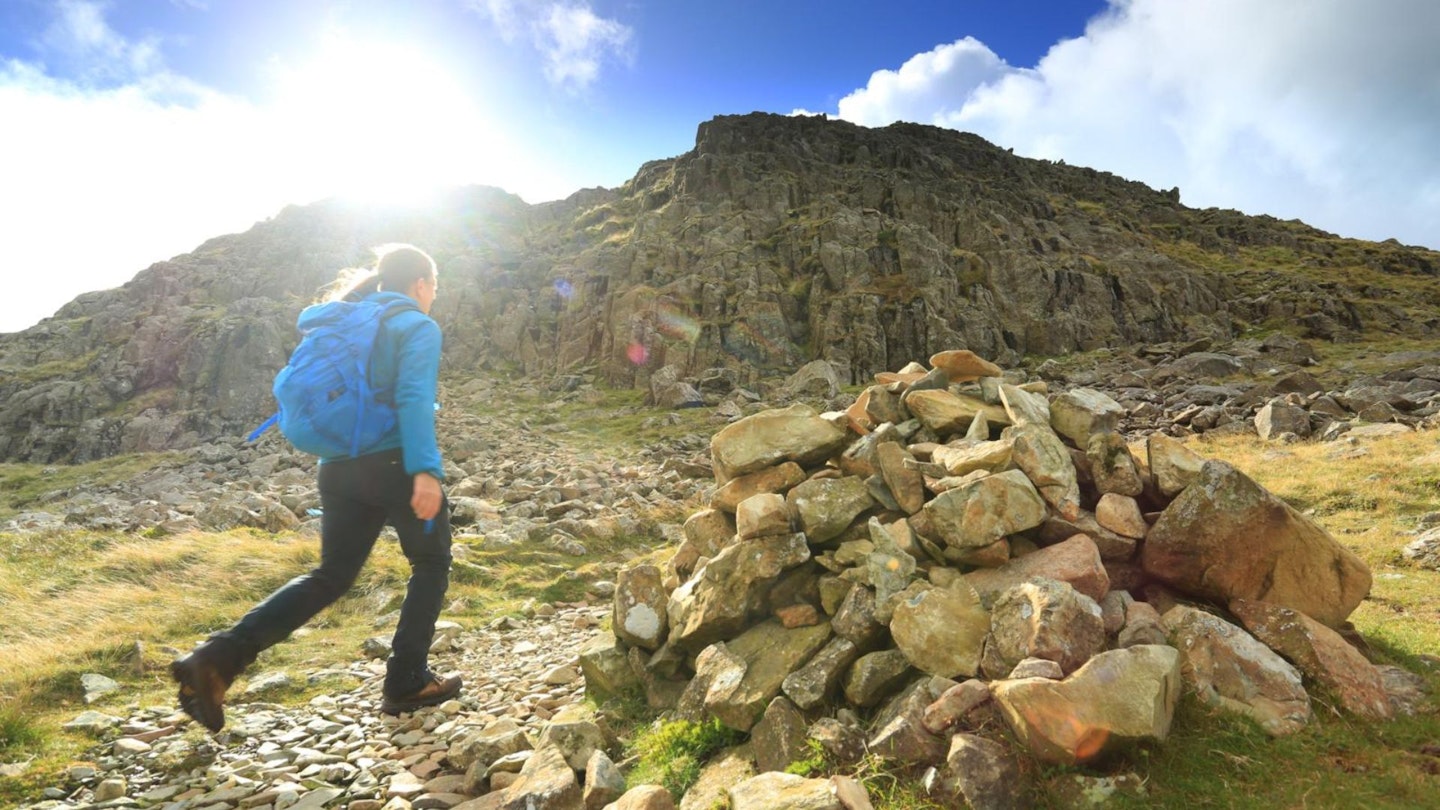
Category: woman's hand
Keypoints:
(426, 498)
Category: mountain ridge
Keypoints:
(775, 241)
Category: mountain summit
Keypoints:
(775, 241)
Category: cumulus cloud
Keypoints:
(573, 41)
(1324, 110)
(80, 37)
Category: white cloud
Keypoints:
(506, 15)
(573, 41)
(102, 180)
(80, 36)
(1325, 110)
(929, 86)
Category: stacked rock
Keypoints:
(952, 546)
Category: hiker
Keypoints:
(395, 479)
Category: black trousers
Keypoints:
(358, 497)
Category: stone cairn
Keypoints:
(954, 553)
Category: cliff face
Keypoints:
(775, 241)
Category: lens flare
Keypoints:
(637, 353)
(674, 325)
(564, 288)
(747, 343)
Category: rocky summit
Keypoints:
(775, 241)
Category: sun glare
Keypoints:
(381, 122)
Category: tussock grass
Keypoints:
(27, 486)
(613, 419)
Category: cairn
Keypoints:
(960, 548)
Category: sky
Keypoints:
(133, 130)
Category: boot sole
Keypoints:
(206, 713)
(393, 707)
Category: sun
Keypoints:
(380, 122)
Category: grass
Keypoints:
(18, 731)
(671, 754)
(29, 486)
(613, 420)
(1219, 760)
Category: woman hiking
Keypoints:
(395, 479)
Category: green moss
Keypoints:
(68, 368)
(672, 754)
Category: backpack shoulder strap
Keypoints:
(391, 310)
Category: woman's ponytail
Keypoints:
(352, 284)
(397, 266)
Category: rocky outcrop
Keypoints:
(774, 242)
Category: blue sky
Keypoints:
(151, 125)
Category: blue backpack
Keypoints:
(328, 406)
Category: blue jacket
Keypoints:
(406, 359)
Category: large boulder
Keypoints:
(1043, 618)
(817, 378)
(1075, 561)
(774, 790)
(1080, 413)
(1172, 465)
(1225, 537)
(980, 774)
(962, 364)
(770, 652)
(1045, 461)
(796, 433)
(941, 630)
(639, 605)
(825, 507)
(1118, 697)
(965, 458)
(1276, 419)
(777, 479)
(546, 781)
(946, 413)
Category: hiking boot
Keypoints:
(203, 679)
(436, 691)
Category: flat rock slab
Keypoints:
(1320, 653)
(761, 440)
(1229, 668)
